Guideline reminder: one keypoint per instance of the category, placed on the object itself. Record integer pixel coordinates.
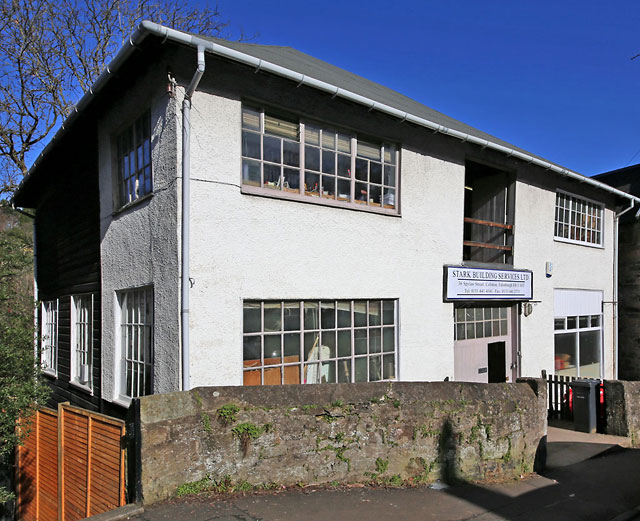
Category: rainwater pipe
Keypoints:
(615, 284)
(186, 202)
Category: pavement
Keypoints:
(590, 477)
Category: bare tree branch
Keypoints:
(52, 51)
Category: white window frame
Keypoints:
(561, 327)
(82, 341)
(131, 356)
(389, 158)
(560, 222)
(49, 337)
(134, 165)
(316, 366)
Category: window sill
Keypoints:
(82, 387)
(122, 401)
(318, 201)
(132, 204)
(50, 373)
(579, 243)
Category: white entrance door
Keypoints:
(483, 347)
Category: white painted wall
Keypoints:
(575, 267)
(139, 246)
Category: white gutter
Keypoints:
(301, 79)
(615, 287)
(186, 207)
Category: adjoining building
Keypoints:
(628, 179)
(331, 230)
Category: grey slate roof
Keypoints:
(308, 65)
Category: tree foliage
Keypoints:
(52, 51)
(20, 387)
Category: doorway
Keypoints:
(484, 343)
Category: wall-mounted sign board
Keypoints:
(464, 283)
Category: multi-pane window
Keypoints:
(578, 220)
(136, 342)
(81, 355)
(292, 157)
(578, 345)
(134, 160)
(328, 341)
(480, 322)
(49, 336)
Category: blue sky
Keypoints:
(555, 78)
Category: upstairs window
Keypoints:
(49, 337)
(287, 158)
(578, 220)
(134, 160)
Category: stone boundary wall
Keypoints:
(407, 431)
(622, 405)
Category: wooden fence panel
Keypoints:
(71, 466)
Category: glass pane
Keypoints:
(281, 127)
(271, 176)
(487, 314)
(388, 339)
(390, 154)
(388, 367)
(361, 369)
(312, 374)
(291, 347)
(344, 165)
(328, 348)
(344, 190)
(251, 145)
(389, 198)
(368, 150)
(487, 329)
(479, 330)
(328, 162)
(250, 118)
(459, 314)
(470, 331)
(328, 186)
(565, 354)
(375, 340)
(496, 327)
(572, 322)
(291, 180)
(272, 151)
(478, 313)
(595, 320)
(272, 318)
(328, 315)
(251, 317)
(388, 312)
(558, 323)
(272, 349)
(328, 373)
(360, 313)
(311, 135)
(375, 195)
(291, 153)
(374, 313)
(503, 312)
(344, 371)
(312, 158)
(362, 170)
(362, 192)
(291, 316)
(375, 173)
(460, 332)
(251, 378)
(375, 369)
(344, 343)
(344, 143)
(311, 184)
(328, 139)
(469, 314)
(311, 320)
(503, 327)
(250, 173)
(251, 349)
(344, 314)
(390, 175)
(590, 354)
(583, 321)
(311, 346)
(360, 340)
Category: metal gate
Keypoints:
(71, 465)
